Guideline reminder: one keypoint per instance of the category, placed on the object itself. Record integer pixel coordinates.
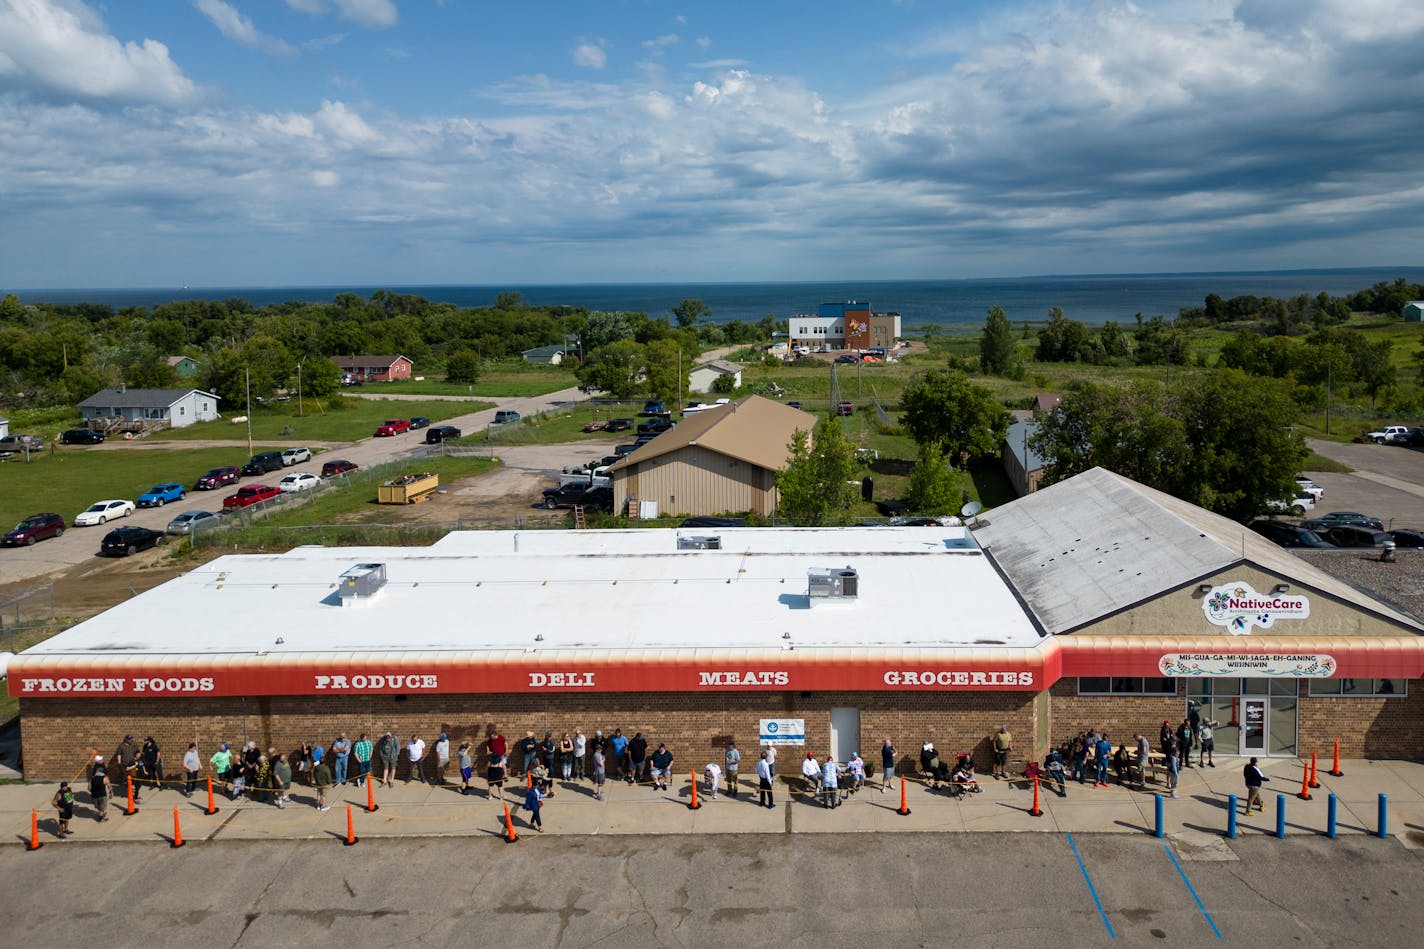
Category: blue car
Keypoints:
(161, 494)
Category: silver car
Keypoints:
(190, 522)
(295, 456)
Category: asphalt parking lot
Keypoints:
(800, 891)
(1388, 482)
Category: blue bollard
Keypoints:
(1383, 816)
(1158, 833)
(1281, 816)
(1231, 817)
(1330, 817)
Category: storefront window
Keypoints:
(1125, 685)
(1388, 688)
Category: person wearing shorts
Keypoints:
(887, 765)
(1207, 739)
(494, 774)
(467, 767)
(600, 772)
(1003, 745)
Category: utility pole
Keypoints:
(299, 388)
(1329, 382)
(247, 382)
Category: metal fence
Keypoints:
(25, 616)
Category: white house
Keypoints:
(178, 407)
(1413, 311)
(4, 427)
(702, 378)
(817, 332)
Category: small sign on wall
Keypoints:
(783, 731)
(1246, 665)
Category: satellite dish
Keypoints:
(971, 508)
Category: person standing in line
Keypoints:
(1170, 752)
(732, 760)
(442, 758)
(549, 752)
(126, 757)
(389, 752)
(496, 744)
(1144, 759)
(599, 743)
(714, 775)
(467, 766)
(321, 780)
(415, 753)
(830, 783)
(618, 744)
(63, 804)
(529, 747)
(100, 789)
(1003, 745)
(1162, 734)
(151, 764)
(887, 765)
(771, 760)
(281, 779)
(637, 758)
(764, 789)
(1186, 733)
(192, 764)
(1104, 758)
(1254, 779)
(495, 773)
(534, 803)
(362, 752)
(222, 762)
(600, 768)
(304, 762)
(1207, 737)
(566, 756)
(1079, 751)
(341, 758)
(580, 753)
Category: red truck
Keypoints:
(250, 495)
(393, 426)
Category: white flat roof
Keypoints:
(594, 592)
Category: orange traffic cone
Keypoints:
(212, 808)
(371, 805)
(177, 830)
(694, 804)
(1314, 775)
(904, 801)
(509, 835)
(34, 843)
(129, 808)
(528, 780)
(351, 837)
(1335, 771)
(1035, 811)
(1304, 794)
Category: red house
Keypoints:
(373, 368)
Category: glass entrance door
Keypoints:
(1253, 726)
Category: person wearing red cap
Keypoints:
(810, 774)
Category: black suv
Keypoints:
(439, 433)
(81, 436)
(618, 425)
(576, 494)
(655, 426)
(263, 462)
(1289, 535)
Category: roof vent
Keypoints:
(835, 584)
(361, 583)
(699, 542)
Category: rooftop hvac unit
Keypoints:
(362, 582)
(699, 542)
(836, 583)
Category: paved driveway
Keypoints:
(1388, 482)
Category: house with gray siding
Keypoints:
(150, 407)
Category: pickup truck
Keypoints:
(573, 495)
(11, 444)
(393, 426)
(1390, 433)
(250, 495)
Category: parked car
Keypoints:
(81, 436)
(338, 467)
(33, 529)
(125, 541)
(505, 417)
(793, 404)
(1415, 438)
(392, 426)
(1407, 538)
(845, 408)
(619, 425)
(262, 463)
(438, 433)
(653, 407)
(642, 440)
(1336, 518)
(161, 494)
(191, 522)
(1310, 487)
(295, 456)
(12, 444)
(298, 481)
(1297, 505)
(655, 426)
(101, 512)
(248, 495)
(419, 421)
(576, 494)
(621, 450)
(848, 358)
(1289, 535)
(713, 522)
(218, 478)
(1389, 433)
(607, 460)
(1354, 535)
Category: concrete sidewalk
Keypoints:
(422, 811)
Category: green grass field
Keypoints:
(357, 418)
(496, 383)
(73, 478)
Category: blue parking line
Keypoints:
(1209, 921)
(1089, 880)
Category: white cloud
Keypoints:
(371, 14)
(657, 44)
(719, 64)
(318, 43)
(591, 55)
(63, 49)
(239, 28)
(704, 41)
(344, 125)
(325, 178)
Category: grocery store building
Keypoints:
(1095, 602)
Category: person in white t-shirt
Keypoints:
(770, 755)
(811, 773)
(442, 758)
(415, 752)
(192, 764)
(714, 775)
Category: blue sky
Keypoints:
(290, 142)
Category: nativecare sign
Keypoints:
(1247, 665)
(1238, 607)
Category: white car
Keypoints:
(1297, 505)
(101, 512)
(1306, 486)
(1390, 433)
(295, 456)
(298, 482)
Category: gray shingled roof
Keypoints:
(137, 398)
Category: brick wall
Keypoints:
(1121, 716)
(59, 734)
(1365, 727)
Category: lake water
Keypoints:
(950, 303)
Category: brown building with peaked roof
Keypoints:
(374, 368)
(718, 461)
